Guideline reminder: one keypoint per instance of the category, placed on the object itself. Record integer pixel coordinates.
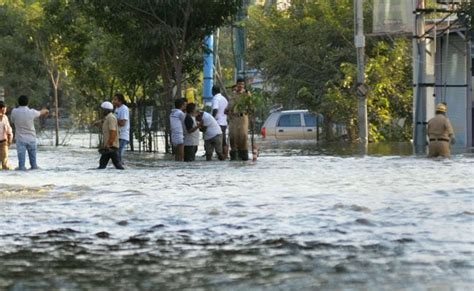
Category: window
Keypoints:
(309, 120)
(290, 120)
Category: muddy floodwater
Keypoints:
(297, 220)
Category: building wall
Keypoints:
(451, 69)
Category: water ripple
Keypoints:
(286, 222)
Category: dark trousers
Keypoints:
(190, 153)
(224, 135)
(106, 155)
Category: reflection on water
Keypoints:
(336, 149)
(299, 218)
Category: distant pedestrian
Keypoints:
(191, 95)
(123, 119)
(25, 132)
(212, 135)
(110, 145)
(440, 133)
(191, 134)
(177, 117)
(219, 111)
(6, 136)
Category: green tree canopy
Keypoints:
(307, 53)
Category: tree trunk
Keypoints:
(132, 119)
(218, 71)
(178, 71)
(56, 112)
(167, 98)
(328, 129)
(112, 87)
(55, 82)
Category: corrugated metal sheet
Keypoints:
(451, 69)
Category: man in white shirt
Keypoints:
(25, 133)
(212, 135)
(6, 136)
(177, 117)
(123, 119)
(219, 111)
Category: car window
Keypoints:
(290, 120)
(309, 120)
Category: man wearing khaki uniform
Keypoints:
(440, 133)
(238, 124)
(6, 136)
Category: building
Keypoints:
(443, 58)
(442, 61)
(453, 82)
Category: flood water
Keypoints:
(295, 219)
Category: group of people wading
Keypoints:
(115, 129)
(186, 123)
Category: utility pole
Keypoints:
(419, 76)
(239, 42)
(208, 70)
(359, 40)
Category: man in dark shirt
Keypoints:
(191, 134)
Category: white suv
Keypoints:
(292, 125)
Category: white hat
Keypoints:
(107, 105)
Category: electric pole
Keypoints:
(362, 89)
(419, 76)
(208, 70)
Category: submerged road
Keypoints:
(288, 221)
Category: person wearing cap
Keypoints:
(177, 117)
(440, 133)
(25, 132)
(6, 136)
(110, 146)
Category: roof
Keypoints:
(295, 111)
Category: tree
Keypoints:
(169, 30)
(21, 71)
(465, 14)
(60, 39)
(307, 52)
(165, 36)
(302, 46)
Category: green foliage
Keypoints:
(97, 47)
(465, 14)
(307, 53)
(390, 98)
(301, 47)
(21, 71)
(165, 33)
(338, 103)
(250, 103)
